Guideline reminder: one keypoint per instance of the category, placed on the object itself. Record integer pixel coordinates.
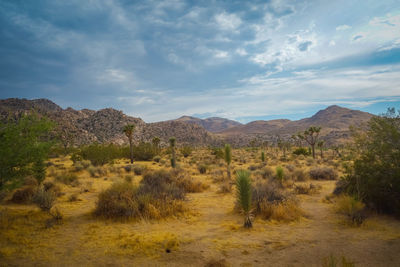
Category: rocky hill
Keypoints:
(213, 124)
(105, 125)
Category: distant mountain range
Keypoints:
(105, 125)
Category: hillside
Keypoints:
(105, 125)
(213, 124)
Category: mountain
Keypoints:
(105, 125)
(213, 124)
(334, 120)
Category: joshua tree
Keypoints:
(172, 142)
(243, 191)
(311, 137)
(156, 143)
(228, 159)
(320, 145)
(128, 131)
(262, 156)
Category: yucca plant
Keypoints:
(262, 156)
(280, 173)
(243, 194)
(172, 142)
(228, 160)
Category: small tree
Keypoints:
(128, 131)
(320, 145)
(243, 194)
(311, 137)
(228, 160)
(24, 146)
(156, 143)
(172, 142)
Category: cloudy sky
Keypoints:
(242, 60)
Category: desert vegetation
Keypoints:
(266, 204)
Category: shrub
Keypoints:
(144, 151)
(300, 175)
(139, 169)
(306, 189)
(266, 173)
(157, 159)
(44, 199)
(217, 152)
(186, 151)
(30, 181)
(243, 195)
(271, 201)
(374, 177)
(67, 178)
(96, 172)
(323, 173)
(331, 261)
(202, 168)
(73, 198)
(301, 151)
(23, 195)
(280, 173)
(352, 208)
(100, 154)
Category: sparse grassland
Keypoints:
(178, 216)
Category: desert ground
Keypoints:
(208, 233)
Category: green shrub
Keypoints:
(374, 177)
(280, 173)
(217, 152)
(144, 151)
(96, 172)
(157, 159)
(301, 151)
(100, 154)
(243, 195)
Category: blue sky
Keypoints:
(242, 60)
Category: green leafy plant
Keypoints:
(280, 174)
(228, 160)
(243, 194)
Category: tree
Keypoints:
(320, 145)
(243, 194)
(172, 142)
(228, 160)
(374, 177)
(24, 146)
(156, 143)
(311, 137)
(128, 131)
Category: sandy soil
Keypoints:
(210, 231)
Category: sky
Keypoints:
(242, 60)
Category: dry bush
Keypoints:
(323, 173)
(305, 189)
(44, 199)
(272, 201)
(202, 168)
(49, 186)
(159, 194)
(299, 175)
(30, 181)
(225, 187)
(310, 161)
(23, 195)
(66, 178)
(96, 172)
(217, 175)
(266, 173)
(139, 169)
(352, 208)
(73, 198)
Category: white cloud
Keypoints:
(228, 22)
(343, 27)
(241, 52)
